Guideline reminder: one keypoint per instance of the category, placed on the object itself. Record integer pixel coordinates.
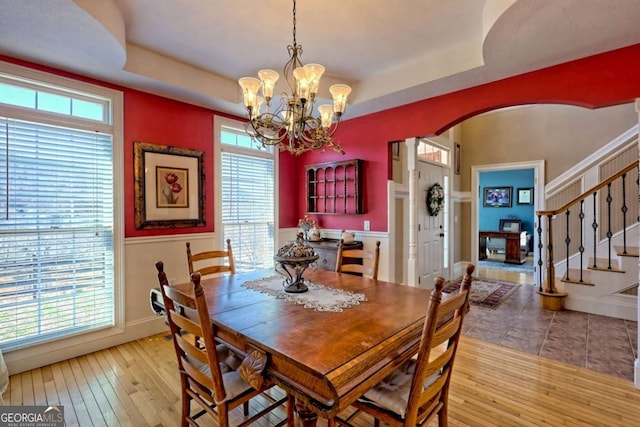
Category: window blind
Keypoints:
(56, 232)
(248, 209)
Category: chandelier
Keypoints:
(291, 125)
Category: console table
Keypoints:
(327, 250)
(513, 242)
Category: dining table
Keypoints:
(325, 347)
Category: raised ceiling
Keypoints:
(390, 52)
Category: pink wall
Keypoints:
(603, 80)
(598, 81)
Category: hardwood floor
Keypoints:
(137, 384)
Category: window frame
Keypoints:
(221, 122)
(112, 124)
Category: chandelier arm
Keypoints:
(267, 129)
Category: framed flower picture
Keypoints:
(169, 186)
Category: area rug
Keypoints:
(485, 293)
(527, 267)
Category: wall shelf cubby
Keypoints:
(334, 188)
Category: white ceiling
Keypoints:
(391, 52)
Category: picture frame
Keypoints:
(456, 159)
(497, 197)
(525, 196)
(168, 186)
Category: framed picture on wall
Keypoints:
(525, 196)
(168, 186)
(497, 197)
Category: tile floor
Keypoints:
(599, 343)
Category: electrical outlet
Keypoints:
(367, 225)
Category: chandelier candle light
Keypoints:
(291, 125)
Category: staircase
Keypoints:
(595, 234)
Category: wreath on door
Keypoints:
(435, 199)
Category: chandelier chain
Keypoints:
(294, 23)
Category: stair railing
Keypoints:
(580, 202)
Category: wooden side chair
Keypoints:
(418, 390)
(216, 260)
(345, 261)
(210, 374)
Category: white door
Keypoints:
(432, 233)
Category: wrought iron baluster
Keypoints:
(609, 233)
(581, 248)
(594, 225)
(551, 270)
(567, 241)
(624, 211)
(540, 247)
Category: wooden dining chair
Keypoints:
(210, 373)
(418, 390)
(357, 261)
(215, 261)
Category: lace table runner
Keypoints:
(318, 297)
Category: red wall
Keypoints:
(289, 204)
(157, 120)
(602, 80)
(374, 152)
(598, 81)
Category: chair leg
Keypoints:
(291, 413)
(376, 422)
(245, 408)
(186, 409)
(442, 417)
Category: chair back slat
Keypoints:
(369, 261)
(446, 332)
(220, 261)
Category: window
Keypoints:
(57, 223)
(247, 197)
(22, 93)
(433, 153)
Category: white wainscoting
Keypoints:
(140, 277)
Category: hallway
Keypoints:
(599, 343)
